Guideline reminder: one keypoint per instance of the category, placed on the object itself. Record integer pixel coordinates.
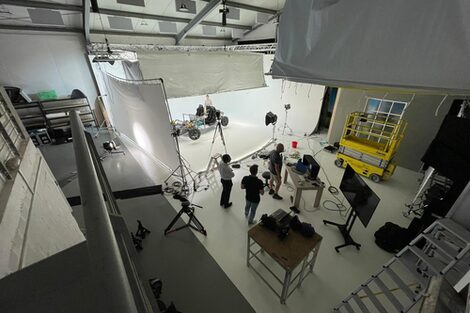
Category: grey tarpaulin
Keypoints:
(200, 73)
(412, 45)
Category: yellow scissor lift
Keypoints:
(369, 143)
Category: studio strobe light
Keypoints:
(271, 118)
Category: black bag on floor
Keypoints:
(391, 237)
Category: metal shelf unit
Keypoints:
(53, 115)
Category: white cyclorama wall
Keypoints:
(35, 218)
(45, 61)
(422, 127)
(250, 106)
(138, 111)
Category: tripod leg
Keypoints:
(212, 143)
(222, 136)
(173, 222)
(198, 226)
(172, 173)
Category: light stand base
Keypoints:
(193, 222)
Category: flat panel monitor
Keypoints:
(361, 198)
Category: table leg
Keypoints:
(302, 271)
(248, 252)
(318, 197)
(298, 195)
(314, 256)
(285, 176)
(285, 287)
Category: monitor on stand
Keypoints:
(363, 203)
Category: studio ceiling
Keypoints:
(152, 18)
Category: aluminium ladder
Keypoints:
(445, 250)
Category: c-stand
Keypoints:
(188, 209)
(183, 168)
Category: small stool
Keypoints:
(267, 176)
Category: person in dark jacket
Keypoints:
(254, 187)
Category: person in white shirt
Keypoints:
(207, 102)
(226, 175)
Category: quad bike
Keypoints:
(193, 123)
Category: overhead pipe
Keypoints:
(105, 259)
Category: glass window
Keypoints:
(398, 108)
(372, 105)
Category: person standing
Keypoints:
(254, 188)
(226, 175)
(275, 167)
(207, 103)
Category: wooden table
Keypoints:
(288, 253)
(301, 184)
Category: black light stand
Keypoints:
(345, 230)
(183, 166)
(188, 209)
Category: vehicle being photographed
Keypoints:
(192, 124)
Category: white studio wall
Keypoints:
(246, 110)
(43, 62)
(250, 106)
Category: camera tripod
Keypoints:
(217, 130)
(193, 222)
(285, 122)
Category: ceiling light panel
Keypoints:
(209, 30)
(167, 27)
(140, 3)
(262, 18)
(237, 33)
(120, 23)
(45, 16)
(189, 5)
(233, 13)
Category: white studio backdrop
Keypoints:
(246, 110)
(417, 45)
(198, 73)
(138, 110)
(249, 107)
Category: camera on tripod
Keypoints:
(217, 115)
(287, 106)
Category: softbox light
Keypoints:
(270, 118)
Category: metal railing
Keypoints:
(106, 262)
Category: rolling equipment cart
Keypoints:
(369, 144)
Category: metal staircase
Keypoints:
(440, 250)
